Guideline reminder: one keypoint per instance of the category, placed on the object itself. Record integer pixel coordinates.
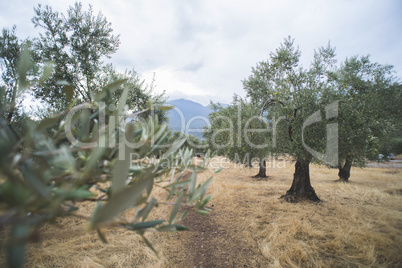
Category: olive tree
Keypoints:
(238, 133)
(286, 90)
(369, 110)
(12, 78)
(76, 44)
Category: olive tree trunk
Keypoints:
(344, 172)
(301, 187)
(263, 170)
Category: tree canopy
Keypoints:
(13, 79)
(75, 44)
(239, 133)
(369, 110)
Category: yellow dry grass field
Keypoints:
(357, 224)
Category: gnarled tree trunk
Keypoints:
(344, 172)
(301, 187)
(263, 170)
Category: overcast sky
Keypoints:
(201, 50)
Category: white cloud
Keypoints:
(201, 50)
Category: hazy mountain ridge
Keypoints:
(188, 115)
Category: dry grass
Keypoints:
(357, 224)
(68, 244)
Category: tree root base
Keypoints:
(259, 176)
(291, 198)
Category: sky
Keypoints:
(202, 50)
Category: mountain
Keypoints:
(188, 115)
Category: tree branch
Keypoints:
(268, 102)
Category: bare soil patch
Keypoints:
(210, 244)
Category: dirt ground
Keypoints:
(210, 244)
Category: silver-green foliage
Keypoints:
(238, 132)
(76, 43)
(285, 89)
(369, 108)
(44, 175)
